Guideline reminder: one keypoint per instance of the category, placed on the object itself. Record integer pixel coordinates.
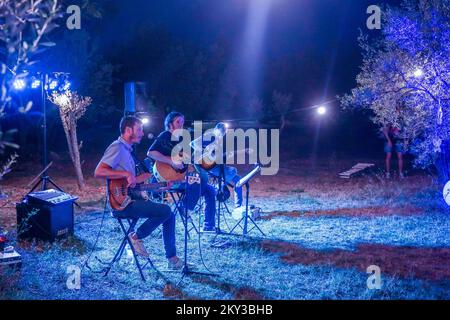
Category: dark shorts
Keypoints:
(397, 146)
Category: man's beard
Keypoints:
(135, 138)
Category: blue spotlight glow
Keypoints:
(53, 84)
(19, 84)
(66, 85)
(418, 73)
(145, 120)
(36, 84)
(321, 110)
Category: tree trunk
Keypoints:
(69, 144)
(76, 153)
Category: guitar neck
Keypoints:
(145, 186)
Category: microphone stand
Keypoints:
(221, 183)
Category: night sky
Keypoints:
(318, 35)
(309, 49)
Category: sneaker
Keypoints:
(388, 175)
(138, 245)
(238, 213)
(402, 175)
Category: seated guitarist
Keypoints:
(117, 163)
(230, 173)
(161, 150)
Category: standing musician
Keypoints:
(230, 173)
(117, 163)
(161, 150)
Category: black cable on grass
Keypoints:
(85, 264)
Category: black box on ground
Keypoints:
(45, 215)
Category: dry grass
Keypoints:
(322, 231)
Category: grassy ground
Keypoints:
(322, 234)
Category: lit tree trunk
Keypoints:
(71, 108)
(76, 154)
(69, 144)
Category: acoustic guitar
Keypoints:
(164, 172)
(207, 159)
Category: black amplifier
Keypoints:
(45, 215)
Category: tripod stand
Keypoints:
(245, 181)
(45, 179)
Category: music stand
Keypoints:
(246, 217)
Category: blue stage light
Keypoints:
(321, 110)
(66, 86)
(19, 84)
(418, 73)
(36, 84)
(145, 120)
(53, 84)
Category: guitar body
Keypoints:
(164, 172)
(119, 192)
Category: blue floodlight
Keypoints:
(53, 84)
(418, 73)
(35, 84)
(321, 110)
(66, 85)
(145, 120)
(19, 84)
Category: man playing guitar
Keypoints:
(118, 163)
(201, 146)
(161, 151)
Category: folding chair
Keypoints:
(125, 240)
(131, 225)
